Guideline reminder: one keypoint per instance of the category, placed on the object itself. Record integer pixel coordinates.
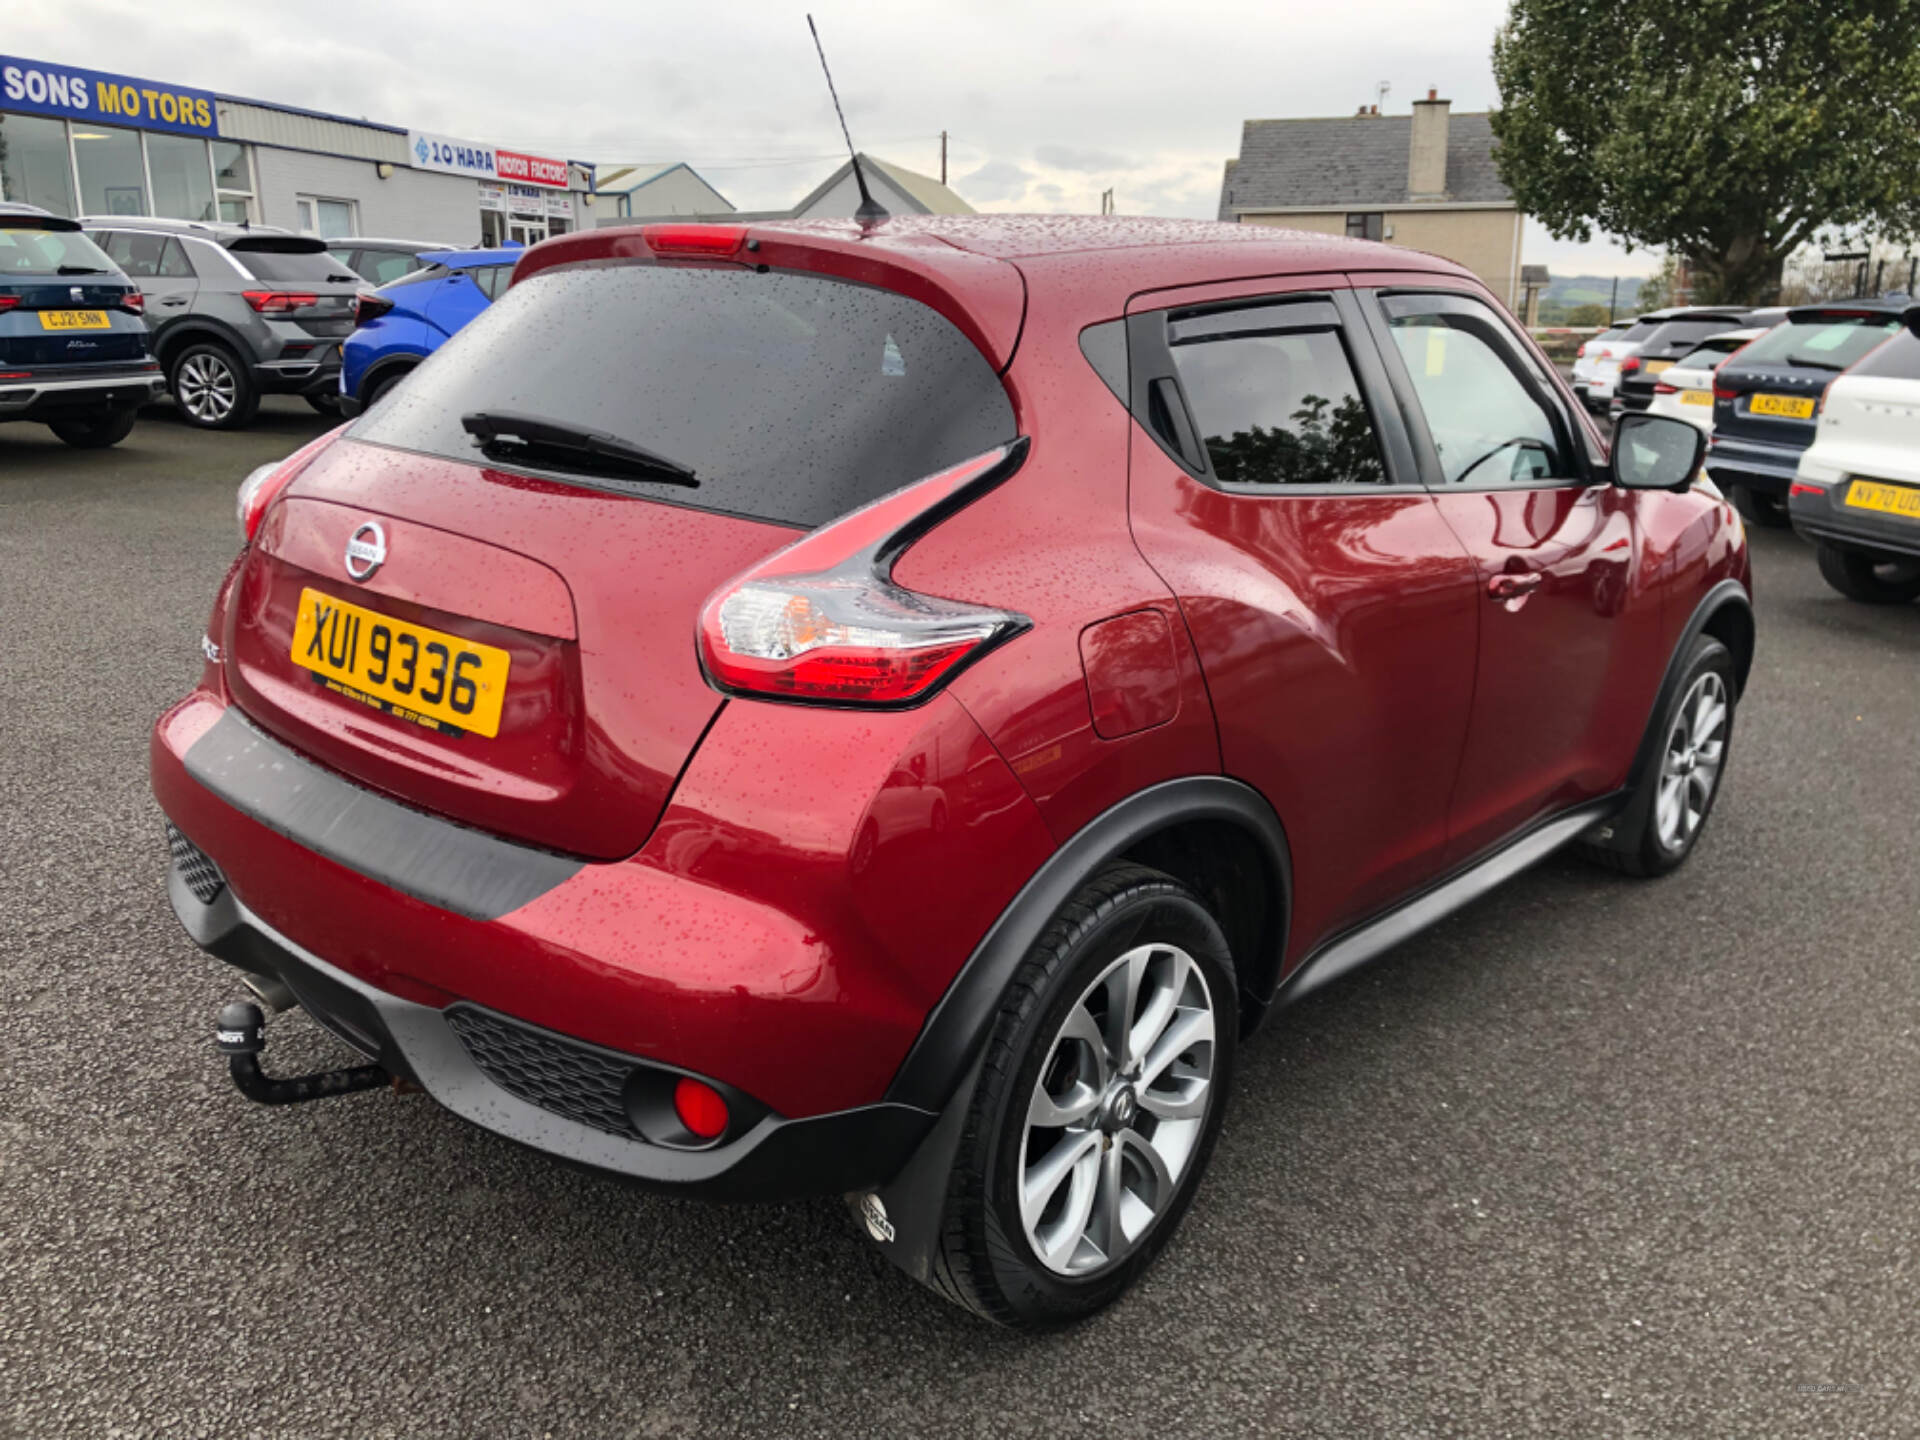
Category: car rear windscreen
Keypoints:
(29, 251)
(1827, 344)
(792, 397)
(301, 266)
(1641, 330)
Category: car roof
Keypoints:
(467, 259)
(219, 231)
(382, 242)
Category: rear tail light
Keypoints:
(370, 307)
(134, 302)
(264, 484)
(712, 241)
(1630, 364)
(278, 302)
(1581, 353)
(823, 622)
(7, 302)
(1720, 392)
(1660, 387)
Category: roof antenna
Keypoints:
(871, 211)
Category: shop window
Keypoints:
(233, 180)
(182, 180)
(113, 177)
(329, 219)
(35, 168)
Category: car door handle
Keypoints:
(173, 300)
(1512, 587)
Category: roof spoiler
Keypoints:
(278, 244)
(12, 221)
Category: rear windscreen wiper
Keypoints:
(530, 440)
(1813, 364)
(343, 279)
(79, 270)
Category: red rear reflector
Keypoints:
(278, 302)
(708, 240)
(1798, 488)
(16, 374)
(701, 1108)
(824, 621)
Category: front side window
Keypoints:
(1280, 408)
(1489, 423)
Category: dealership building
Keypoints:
(82, 142)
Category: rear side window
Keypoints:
(1278, 408)
(147, 256)
(1898, 359)
(492, 279)
(792, 397)
(1831, 343)
(315, 266)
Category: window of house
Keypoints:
(1276, 406)
(182, 179)
(329, 219)
(35, 165)
(233, 181)
(1371, 225)
(113, 174)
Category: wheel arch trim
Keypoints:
(193, 330)
(957, 1027)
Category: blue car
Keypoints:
(73, 343)
(399, 325)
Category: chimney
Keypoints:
(1427, 150)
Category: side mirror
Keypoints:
(1656, 452)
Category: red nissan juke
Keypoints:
(887, 710)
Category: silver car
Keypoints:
(237, 312)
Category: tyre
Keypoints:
(323, 404)
(212, 388)
(1103, 1086)
(1661, 824)
(95, 434)
(1870, 579)
(1765, 512)
(382, 384)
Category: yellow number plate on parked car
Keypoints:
(433, 679)
(1696, 397)
(1787, 407)
(75, 320)
(1890, 499)
(1655, 367)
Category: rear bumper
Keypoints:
(775, 1158)
(1822, 517)
(1768, 469)
(70, 397)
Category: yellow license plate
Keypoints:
(1696, 397)
(1787, 407)
(75, 320)
(1654, 367)
(430, 678)
(1888, 499)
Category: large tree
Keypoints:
(1725, 132)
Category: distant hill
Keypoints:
(1571, 290)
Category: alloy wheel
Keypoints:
(1696, 749)
(207, 387)
(1118, 1110)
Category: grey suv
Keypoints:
(237, 312)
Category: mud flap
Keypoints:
(904, 1218)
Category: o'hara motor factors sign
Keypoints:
(33, 87)
(484, 162)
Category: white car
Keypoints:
(1856, 493)
(1597, 367)
(1685, 389)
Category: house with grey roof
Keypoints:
(1424, 180)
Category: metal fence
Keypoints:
(1850, 276)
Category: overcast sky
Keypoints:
(1046, 104)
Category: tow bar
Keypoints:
(241, 1034)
